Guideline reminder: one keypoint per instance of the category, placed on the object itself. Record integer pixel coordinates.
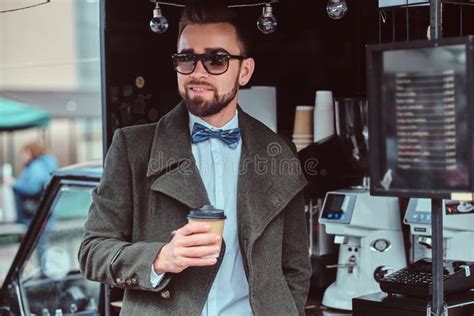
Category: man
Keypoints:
(205, 151)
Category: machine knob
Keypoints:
(380, 245)
(381, 271)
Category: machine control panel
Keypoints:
(419, 210)
(338, 207)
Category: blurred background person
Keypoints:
(28, 187)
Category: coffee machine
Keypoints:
(368, 231)
(458, 228)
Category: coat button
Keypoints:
(165, 294)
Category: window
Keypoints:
(50, 277)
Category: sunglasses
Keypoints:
(215, 64)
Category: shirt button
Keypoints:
(165, 294)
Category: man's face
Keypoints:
(206, 94)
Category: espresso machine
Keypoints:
(342, 163)
(368, 231)
(458, 229)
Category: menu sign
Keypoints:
(420, 133)
(426, 120)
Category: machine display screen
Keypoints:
(419, 211)
(338, 207)
(423, 125)
(423, 205)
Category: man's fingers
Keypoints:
(197, 240)
(193, 228)
(198, 252)
(199, 262)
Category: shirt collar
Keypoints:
(233, 123)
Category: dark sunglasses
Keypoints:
(215, 64)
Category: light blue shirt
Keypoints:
(218, 165)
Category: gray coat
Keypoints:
(150, 182)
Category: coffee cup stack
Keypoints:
(323, 116)
(303, 128)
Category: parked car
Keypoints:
(44, 278)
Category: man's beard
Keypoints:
(202, 108)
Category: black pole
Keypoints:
(437, 304)
(437, 256)
(436, 28)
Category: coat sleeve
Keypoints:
(106, 253)
(296, 262)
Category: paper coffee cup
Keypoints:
(303, 120)
(212, 216)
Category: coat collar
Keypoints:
(268, 175)
(172, 161)
(269, 178)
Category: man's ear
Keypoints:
(246, 71)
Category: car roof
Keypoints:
(89, 169)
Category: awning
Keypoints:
(16, 115)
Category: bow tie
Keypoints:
(230, 137)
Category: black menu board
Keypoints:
(420, 132)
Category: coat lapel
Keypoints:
(172, 162)
(269, 177)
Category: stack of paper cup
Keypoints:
(303, 129)
(323, 116)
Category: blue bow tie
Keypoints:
(230, 137)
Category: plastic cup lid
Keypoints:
(206, 212)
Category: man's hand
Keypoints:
(189, 245)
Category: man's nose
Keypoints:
(200, 71)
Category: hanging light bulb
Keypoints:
(158, 24)
(267, 22)
(336, 9)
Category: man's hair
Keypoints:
(214, 11)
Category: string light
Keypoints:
(158, 24)
(266, 23)
(336, 9)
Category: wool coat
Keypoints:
(149, 184)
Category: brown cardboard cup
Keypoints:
(212, 216)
